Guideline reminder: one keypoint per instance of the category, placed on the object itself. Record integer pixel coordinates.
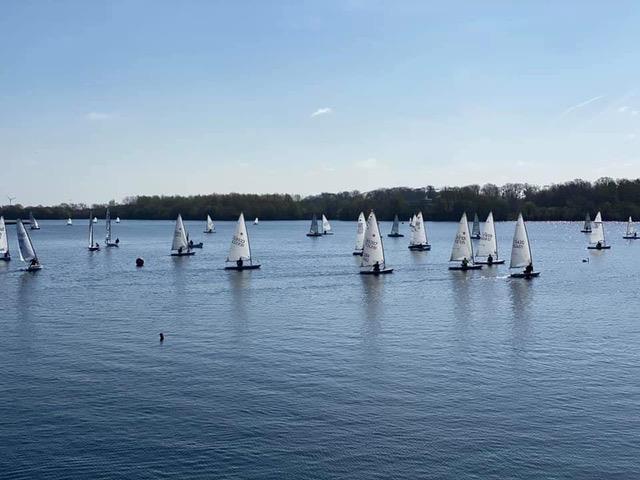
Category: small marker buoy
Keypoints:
(161, 337)
(139, 262)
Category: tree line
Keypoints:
(616, 199)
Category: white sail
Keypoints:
(418, 233)
(395, 229)
(108, 226)
(117, 219)
(33, 221)
(373, 251)
(587, 223)
(313, 230)
(91, 239)
(180, 236)
(69, 221)
(412, 220)
(4, 241)
(488, 244)
(27, 252)
(597, 231)
(240, 249)
(631, 229)
(520, 249)
(462, 247)
(475, 232)
(210, 226)
(362, 225)
(326, 226)
(255, 222)
(95, 219)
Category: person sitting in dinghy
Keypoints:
(34, 263)
(490, 260)
(599, 245)
(239, 263)
(528, 270)
(465, 262)
(117, 241)
(190, 243)
(376, 267)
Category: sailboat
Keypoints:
(462, 250)
(326, 226)
(373, 253)
(418, 241)
(108, 240)
(362, 225)
(631, 231)
(95, 219)
(586, 228)
(117, 219)
(487, 253)
(412, 220)
(4, 242)
(255, 222)
(475, 231)
(209, 226)
(69, 222)
(33, 222)
(240, 251)
(313, 230)
(27, 252)
(93, 245)
(521, 252)
(395, 229)
(597, 240)
(180, 245)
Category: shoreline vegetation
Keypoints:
(616, 198)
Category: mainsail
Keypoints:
(362, 225)
(210, 226)
(4, 241)
(91, 239)
(587, 223)
(597, 231)
(373, 251)
(418, 232)
(462, 247)
(488, 244)
(313, 230)
(180, 236)
(27, 252)
(520, 249)
(475, 232)
(33, 221)
(631, 229)
(108, 226)
(395, 229)
(240, 249)
(326, 226)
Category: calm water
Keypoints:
(305, 369)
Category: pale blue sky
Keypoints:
(100, 100)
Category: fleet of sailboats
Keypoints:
(33, 222)
(360, 230)
(475, 231)
(597, 240)
(631, 233)
(326, 226)
(462, 250)
(180, 246)
(4, 242)
(239, 257)
(25, 248)
(93, 245)
(395, 228)
(418, 239)
(487, 252)
(209, 226)
(108, 239)
(521, 252)
(313, 229)
(373, 262)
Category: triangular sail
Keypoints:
(418, 233)
(180, 236)
(462, 247)
(475, 232)
(587, 222)
(373, 251)
(488, 244)
(395, 229)
(631, 229)
(91, 242)
(4, 241)
(326, 226)
(362, 225)
(597, 231)
(314, 225)
(520, 249)
(255, 222)
(33, 221)
(240, 249)
(210, 226)
(27, 252)
(108, 226)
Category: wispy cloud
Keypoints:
(369, 163)
(623, 109)
(97, 116)
(580, 105)
(322, 111)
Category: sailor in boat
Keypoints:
(528, 270)
(6, 256)
(490, 260)
(34, 263)
(465, 262)
(599, 245)
(376, 267)
(190, 243)
(239, 263)
(179, 250)
(117, 241)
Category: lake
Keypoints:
(305, 369)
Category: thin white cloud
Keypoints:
(623, 109)
(97, 116)
(580, 105)
(322, 111)
(369, 163)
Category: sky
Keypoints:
(104, 100)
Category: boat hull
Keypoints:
(34, 228)
(208, 232)
(358, 253)
(605, 247)
(585, 231)
(5, 259)
(196, 245)
(383, 271)
(112, 244)
(314, 234)
(468, 267)
(419, 248)
(94, 249)
(495, 262)
(475, 237)
(184, 254)
(395, 235)
(631, 237)
(33, 268)
(526, 276)
(244, 267)
(328, 233)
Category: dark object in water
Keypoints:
(139, 262)
(161, 337)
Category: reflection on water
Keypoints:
(373, 305)
(240, 282)
(521, 298)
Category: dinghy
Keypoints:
(521, 252)
(313, 230)
(362, 225)
(93, 245)
(326, 226)
(631, 231)
(192, 244)
(95, 219)
(108, 240)
(69, 222)
(597, 239)
(462, 250)
(209, 226)
(240, 251)
(418, 240)
(180, 245)
(487, 253)
(586, 228)
(475, 231)
(255, 222)
(117, 219)
(26, 250)
(4, 242)
(33, 222)
(373, 252)
(395, 229)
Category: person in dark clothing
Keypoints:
(599, 245)
(528, 270)
(465, 262)
(117, 241)
(376, 267)
(179, 250)
(490, 259)
(190, 243)
(239, 263)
